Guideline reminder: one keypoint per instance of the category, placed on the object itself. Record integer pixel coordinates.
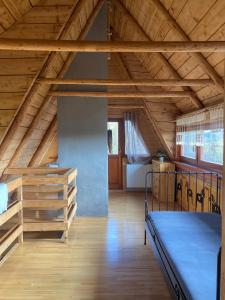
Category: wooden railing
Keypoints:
(49, 198)
(11, 220)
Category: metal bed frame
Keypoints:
(214, 180)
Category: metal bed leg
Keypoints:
(145, 238)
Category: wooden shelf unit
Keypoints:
(11, 220)
(49, 198)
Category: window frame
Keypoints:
(197, 162)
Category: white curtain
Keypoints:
(203, 129)
(135, 147)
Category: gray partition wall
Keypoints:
(82, 128)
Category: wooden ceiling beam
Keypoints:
(27, 100)
(168, 66)
(147, 111)
(110, 46)
(198, 56)
(91, 94)
(137, 82)
(12, 129)
(127, 107)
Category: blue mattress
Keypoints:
(190, 242)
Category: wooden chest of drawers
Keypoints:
(163, 184)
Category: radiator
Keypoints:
(135, 175)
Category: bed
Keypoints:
(189, 245)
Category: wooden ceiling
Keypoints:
(27, 112)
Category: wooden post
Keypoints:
(20, 213)
(65, 212)
(222, 288)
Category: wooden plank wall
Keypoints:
(117, 69)
(46, 20)
(200, 20)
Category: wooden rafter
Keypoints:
(44, 145)
(137, 82)
(34, 87)
(42, 110)
(147, 111)
(169, 67)
(135, 95)
(198, 56)
(126, 107)
(11, 130)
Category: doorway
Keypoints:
(115, 129)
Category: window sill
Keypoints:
(200, 167)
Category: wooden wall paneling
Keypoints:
(45, 14)
(42, 123)
(149, 135)
(148, 113)
(198, 56)
(44, 145)
(17, 8)
(51, 154)
(6, 18)
(36, 91)
(144, 35)
(43, 108)
(53, 2)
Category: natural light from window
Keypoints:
(113, 138)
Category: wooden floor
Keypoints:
(104, 259)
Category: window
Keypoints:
(212, 146)
(135, 147)
(189, 145)
(200, 136)
(113, 138)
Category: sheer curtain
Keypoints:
(189, 133)
(203, 129)
(135, 147)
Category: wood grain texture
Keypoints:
(104, 259)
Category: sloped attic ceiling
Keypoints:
(27, 113)
(26, 110)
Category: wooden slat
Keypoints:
(72, 213)
(35, 171)
(44, 204)
(198, 56)
(13, 184)
(17, 232)
(71, 174)
(44, 226)
(12, 211)
(45, 144)
(36, 180)
(72, 195)
(143, 35)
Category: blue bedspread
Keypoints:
(191, 242)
